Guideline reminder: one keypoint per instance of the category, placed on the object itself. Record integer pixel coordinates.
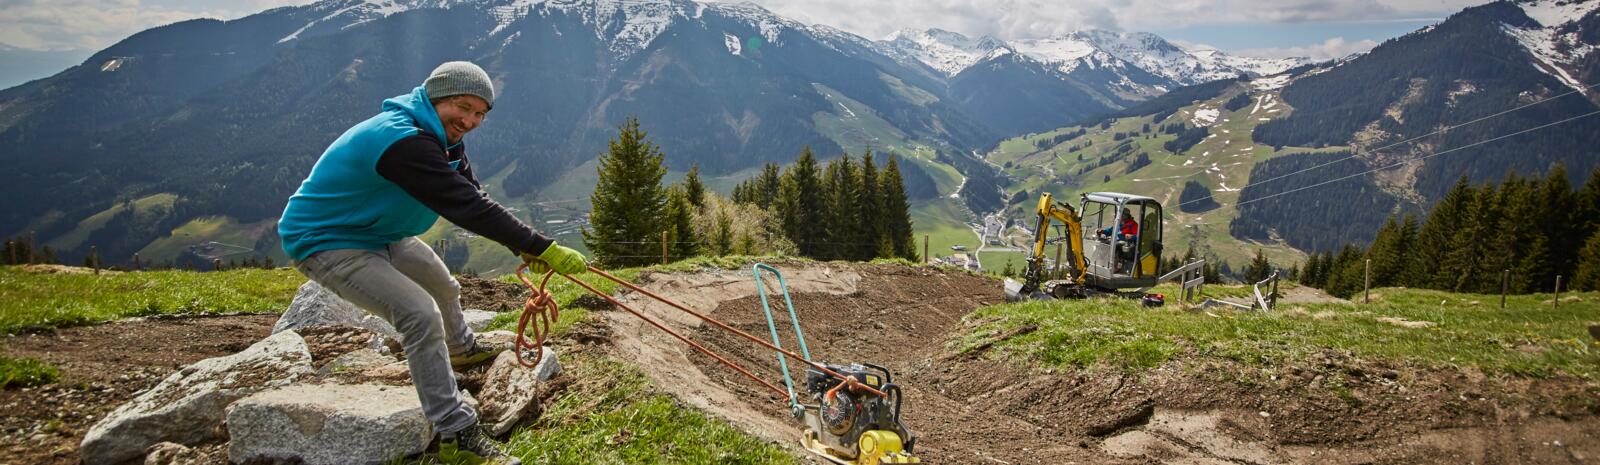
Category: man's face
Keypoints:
(461, 114)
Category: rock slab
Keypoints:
(315, 305)
(188, 406)
(510, 390)
(328, 424)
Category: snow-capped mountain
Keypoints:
(1561, 38)
(948, 52)
(951, 53)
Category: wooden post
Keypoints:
(33, 247)
(925, 257)
(1272, 300)
(12, 246)
(1366, 284)
(1557, 302)
(216, 264)
(1505, 285)
(94, 259)
(663, 247)
(136, 266)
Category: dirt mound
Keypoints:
(976, 408)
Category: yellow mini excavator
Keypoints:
(1112, 242)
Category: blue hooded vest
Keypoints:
(344, 203)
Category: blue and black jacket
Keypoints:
(391, 177)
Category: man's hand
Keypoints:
(563, 259)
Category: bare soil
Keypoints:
(102, 367)
(978, 407)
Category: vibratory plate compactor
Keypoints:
(852, 413)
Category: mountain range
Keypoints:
(194, 133)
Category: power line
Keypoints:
(1435, 154)
(1403, 142)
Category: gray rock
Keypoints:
(187, 406)
(328, 424)
(510, 390)
(358, 360)
(478, 319)
(315, 305)
(168, 453)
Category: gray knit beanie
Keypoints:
(459, 78)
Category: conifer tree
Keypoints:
(1519, 243)
(802, 208)
(722, 237)
(692, 186)
(843, 224)
(1464, 259)
(766, 186)
(1427, 265)
(871, 219)
(628, 204)
(1309, 276)
(680, 224)
(1258, 269)
(897, 213)
(1389, 251)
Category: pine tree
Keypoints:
(1309, 277)
(897, 213)
(874, 242)
(692, 186)
(680, 224)
(1559, 220)
(1427, 264)
(628, 204)
(801, 207)
(1587, 277)
(844, 210)
(1389, 250)
(1519, 241)
(1258, 269)
(767, 186)
(1464, 260)
(722, 237)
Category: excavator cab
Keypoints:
(1122, 240)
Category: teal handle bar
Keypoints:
(794, 403)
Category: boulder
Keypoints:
(315, 305)
(478, 319)
(168, 453)
(328, 424)
(188, 406)
(511, 391)
(356, 361)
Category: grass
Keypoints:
(39, 300)
(1529, 338)
(26, 372)
(611, 415)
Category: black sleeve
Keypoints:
(420, 167)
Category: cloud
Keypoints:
(96, 24)
(1022, 19)
(1336, 47)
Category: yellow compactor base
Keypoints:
(877, 447)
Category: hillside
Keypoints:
(1318, 156)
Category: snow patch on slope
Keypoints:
(1557, 50)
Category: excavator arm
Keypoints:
(1049, 210)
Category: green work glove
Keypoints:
(563, 259)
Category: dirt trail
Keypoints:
(973, 408)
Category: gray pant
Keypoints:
(408, 286)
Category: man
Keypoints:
(351, 225)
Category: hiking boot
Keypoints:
(476, 441)
(479, 352)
